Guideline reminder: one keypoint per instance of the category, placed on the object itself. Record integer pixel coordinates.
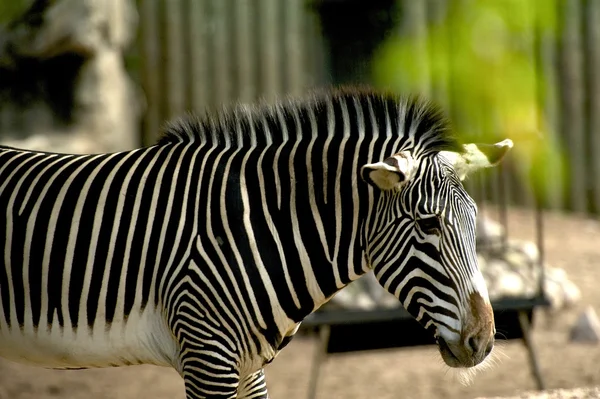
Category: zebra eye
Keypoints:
(430, 225)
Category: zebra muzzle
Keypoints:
(465, 355)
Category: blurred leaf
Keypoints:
(11, 9)
(482, 54)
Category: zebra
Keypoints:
(205, 251)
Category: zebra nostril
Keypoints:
(473, 344)
(478, 344)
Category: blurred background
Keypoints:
(104, 75)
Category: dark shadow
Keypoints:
(51, 81)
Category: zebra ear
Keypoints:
(477, 156)
(390, 173)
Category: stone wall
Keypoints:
(63, 83)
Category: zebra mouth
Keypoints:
(447, 355)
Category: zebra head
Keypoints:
(421, 245)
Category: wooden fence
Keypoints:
(199, 54)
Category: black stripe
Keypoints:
(61, 239)
(108, 213)
(84, 239)
(57, 253)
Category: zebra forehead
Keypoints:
(438, 190)
(435, 175)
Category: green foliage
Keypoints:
(478, 60)
(11, 9)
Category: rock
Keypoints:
(517, 260)
(492, 272)
(488, 228)
(481, 261)
(108, 102)
(530, 250)
(65, 87)
(586, 328)
(510, 284)
(572, 294)
(74, 26)
(497, 266)
(561, 292)
(556, 274)
(554, 294)
(489, 233)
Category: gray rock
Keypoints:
(490, 234)
(572, 294)
(76, 26)
(77, 53)
(586, 328)
(554, 294)
(510, 284)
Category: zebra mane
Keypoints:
(431, 128)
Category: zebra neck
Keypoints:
(313, 204)
(298, 222)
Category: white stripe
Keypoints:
(54, 224)
(8, 242)
(307, 267)
(49, 235)
(99, 324)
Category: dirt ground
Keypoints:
(571, 242)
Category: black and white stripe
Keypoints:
(205, 251)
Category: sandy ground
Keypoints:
(573, 393)
(572, 243)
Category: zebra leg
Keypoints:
(207, 374)
(253, 386)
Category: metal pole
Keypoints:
(319, 355)
(535, 367)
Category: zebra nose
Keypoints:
(467, 352)
(479, 328)
(489, 347)
(480, 345)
